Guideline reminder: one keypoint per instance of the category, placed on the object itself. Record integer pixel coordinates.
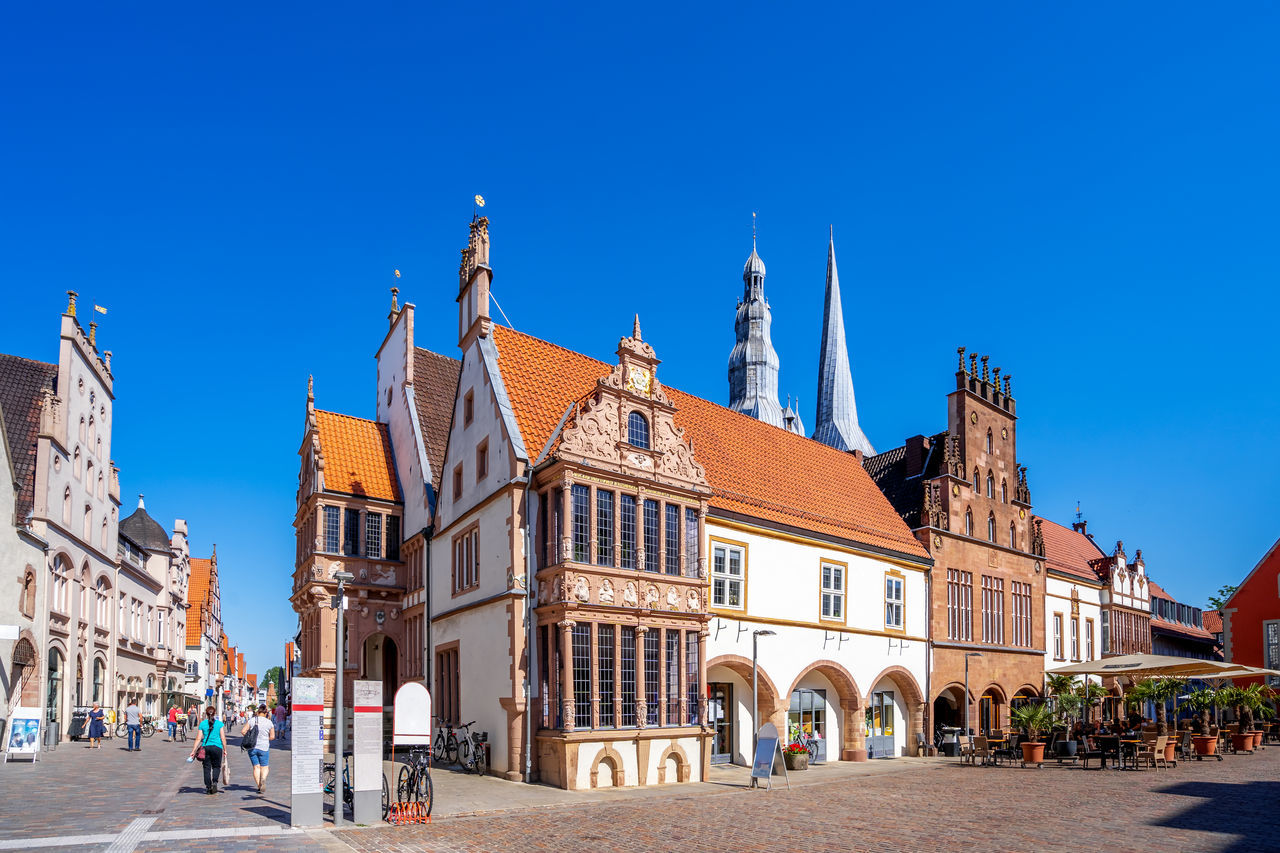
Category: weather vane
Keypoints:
(479, 204)
(753, 229)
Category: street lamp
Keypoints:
(339, 658)
(755, 690)
(967, 655)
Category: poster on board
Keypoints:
(23, 738)
(767, 746)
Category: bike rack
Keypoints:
(405, 814)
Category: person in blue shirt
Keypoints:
(211, 739)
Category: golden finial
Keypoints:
(93, 334)
(960, 353)
(71, 302)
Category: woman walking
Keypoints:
(97, 726)
(212, 741)
(259, 752)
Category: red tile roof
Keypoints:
(1069, 551)
(435, 388)
(197, 595)
(22, 384)
(357, 456)
(1212, 621)
(753, 468)
(1157, 591)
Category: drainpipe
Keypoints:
(427, 533)
(527, 481)
(930, 724)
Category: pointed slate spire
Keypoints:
(837, 413)
(753, 362)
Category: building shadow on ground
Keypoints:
(1244, 809)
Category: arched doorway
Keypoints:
(948, 708)
(992, 713)
(23, 679)
(379, 662)
(894, 715)
(729, 703)
(53, 704)
(824, 702)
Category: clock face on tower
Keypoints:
(638, 380)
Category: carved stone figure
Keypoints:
(629, 597)
(384, 576)
(557, 590)
(650, 596)
(581, 589)
(606, 592)
(692, 599)
(673, 598)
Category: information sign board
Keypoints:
(308, 750)
(366, 748)
(23, 737)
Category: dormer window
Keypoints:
(638, 431)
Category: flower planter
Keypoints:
(1169, 748)
(1242, 742)
(1033, 753)
(1205, 744)
(1257, 739)
(796, 760)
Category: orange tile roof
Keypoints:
(197, 595)
(1212, 621)
(753, 468)
(357, 456)
(1069, 551)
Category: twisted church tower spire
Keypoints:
(837, 414)
(753, 363)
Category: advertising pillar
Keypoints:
(307, 696)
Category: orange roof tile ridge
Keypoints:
(792, 510)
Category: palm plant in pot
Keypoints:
(1203, 700)
(1067, 710)
(1091, 693)
(1033, 718)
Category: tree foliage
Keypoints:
(1217, 602)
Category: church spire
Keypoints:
(837, 413)
(753, 363)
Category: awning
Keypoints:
(1151, 665)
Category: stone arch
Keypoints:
(1001, 700)
(912, 696)
(612, 762)
(683, 768)
(853, 735)
(24, 670)
(1029, 689)
(771, 700)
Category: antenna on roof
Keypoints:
(1079, 514)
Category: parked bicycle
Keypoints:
(458, 745)
(414, 783)
(444, 748)
(329, 773)
(805, 739)
(148, 727)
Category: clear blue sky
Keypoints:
(1087, 193)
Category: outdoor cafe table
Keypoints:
(1110, 746)
(1129, 749)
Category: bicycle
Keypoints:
(445, 747)
(180, 732)
(414, 782)
(807, 740)
(472, 754)
(329, 773)
(148, 728)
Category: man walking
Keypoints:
(133, 720)
(173, 722)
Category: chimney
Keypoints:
(1079, 527)
(917, 452)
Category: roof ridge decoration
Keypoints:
(836, 417)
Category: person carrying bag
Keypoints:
(209, 749)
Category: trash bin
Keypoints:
(52, 734)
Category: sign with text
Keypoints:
(411, 720)
(766, 746)
(24, 734)
(366, 748)
(308, 750)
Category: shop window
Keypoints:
(728, 575)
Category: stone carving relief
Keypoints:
(677, 457)
(581, 589)
(692, 599)
(557, 590)
(673, 598)
(384, 576)
(650, 596)
(629, 597)
(606, 591)
(594, 429)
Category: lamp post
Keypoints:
(967, 655)
(340, 665)
(755, 690)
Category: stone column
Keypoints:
(595, 678)
(566, 521)
(702, 542)
(591, 529)
(642, 706)
(703, 634)
(916, 712)
(566, 674)
(855, 737)
(662, 678)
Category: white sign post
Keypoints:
(367, 752)
(307, 696)
(24, 732)
(411, 717)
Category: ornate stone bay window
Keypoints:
(622, 586)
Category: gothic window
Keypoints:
(93, 430)
(991, 528)
(977, 482)
(88, 480)
(79, 467)
(1013, 536)
(637, 431)
(989, 444)
(1004, 491)
(968, 522)
(82, 433)
(66, 507)
(991, 485)
(103, 539)
(88, 523)
(27, 604)
(101, 487)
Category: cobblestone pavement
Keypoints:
(1198, 806)
(154, 801)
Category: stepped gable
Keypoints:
(754, 469)
(357, 456)
(22, 386)
(435, 387)
(1070, 551)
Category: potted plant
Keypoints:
(1203, 700)
(1091, 694)
(1066, 705)
(1237, 699)
(1033, 718)
(1251, 704)
(796, 756)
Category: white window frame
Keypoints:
(1075, 638)
(894, 602)
(1057, 637)
(722, 558)
(833, 581)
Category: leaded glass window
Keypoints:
(604, 528)
(605, 674)
(672, 532)
(581, 523)
(627, 531)
(650, 535)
